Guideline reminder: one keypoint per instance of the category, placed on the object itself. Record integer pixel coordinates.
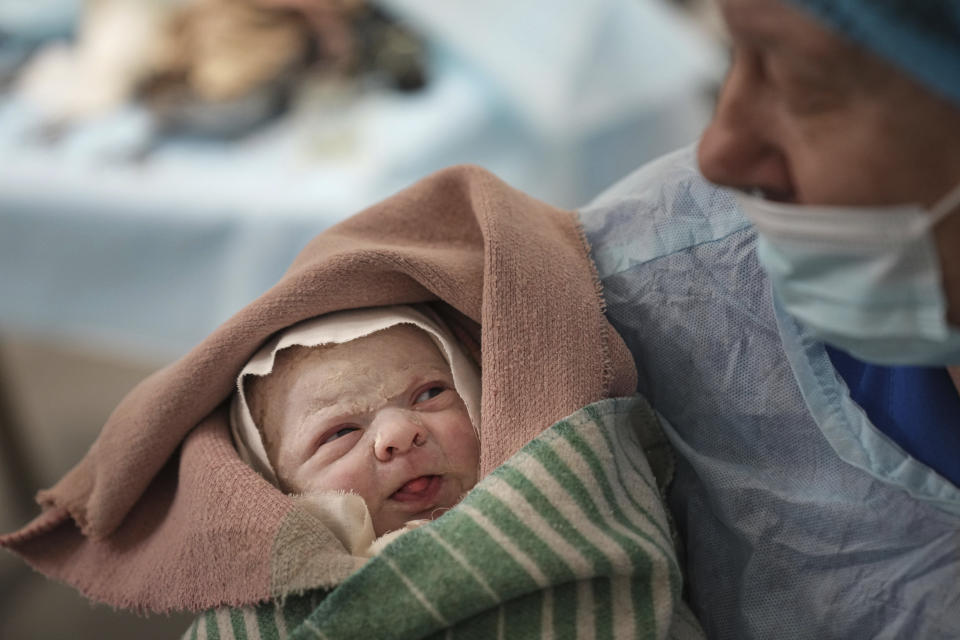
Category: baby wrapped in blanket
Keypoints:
(564, 533)
(378, 403)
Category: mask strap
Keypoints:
(945, 205)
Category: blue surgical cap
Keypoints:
(922, 37)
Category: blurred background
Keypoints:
(162, 161)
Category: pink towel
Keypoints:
(162, 514)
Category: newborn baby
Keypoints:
(379, 415)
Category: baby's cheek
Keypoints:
(342, 475)
(462, 446)
(287, 475)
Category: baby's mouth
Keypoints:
(420, 489)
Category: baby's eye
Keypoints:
(429, 393)
(339, 433)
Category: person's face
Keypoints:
(378, 417)
(809, 118)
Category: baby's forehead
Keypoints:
(398, 349)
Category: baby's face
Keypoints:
(378, 416)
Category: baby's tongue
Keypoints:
(416, 489)
(416, 485)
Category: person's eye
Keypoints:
(429, 393)
(339, 433)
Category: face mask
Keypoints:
(864, 279)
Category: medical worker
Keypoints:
(790, 290)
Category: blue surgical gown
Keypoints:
(799, 518)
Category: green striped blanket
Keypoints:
(568, 539)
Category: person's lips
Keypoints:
(422, 489)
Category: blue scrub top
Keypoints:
(917, 407)
(802, 512)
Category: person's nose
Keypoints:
(396, 431)
(740, 147)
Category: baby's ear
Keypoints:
(255, 391)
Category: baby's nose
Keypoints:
(397, 431)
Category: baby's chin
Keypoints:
(384, 523)
(401, 527)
